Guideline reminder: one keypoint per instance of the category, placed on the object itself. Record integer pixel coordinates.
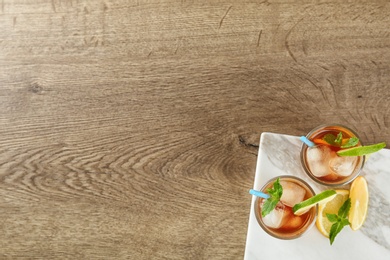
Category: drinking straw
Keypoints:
(307, 141)
(259, 194)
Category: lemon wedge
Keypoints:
(359, 203)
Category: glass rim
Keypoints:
(305, 228)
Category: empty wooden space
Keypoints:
(130, 129)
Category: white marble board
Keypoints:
(279, 155)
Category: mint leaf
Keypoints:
(333, 140)
(340, 220)
(338, 139)
(351, 142)
(332, 217)
(334, 230)
(277, 189)
(345, 222)
(329, 138)
(275, 194)
(268, 206)
(344, 209)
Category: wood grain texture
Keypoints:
(130, 129)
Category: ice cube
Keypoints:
(319, 169)
(317, 160)
(276, 217)
(343, 165)
(314, 154)
(318, 153)
(292, 193)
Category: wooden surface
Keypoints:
(130, 129)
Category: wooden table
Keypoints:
(130, 129)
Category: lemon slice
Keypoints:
(331, 207)
(359, 203)
(305, 205)
(361, 150)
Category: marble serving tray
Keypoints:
(279, 155)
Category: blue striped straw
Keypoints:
(259, 194)
(307, 141)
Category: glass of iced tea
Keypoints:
(321, 161)
(281, 221)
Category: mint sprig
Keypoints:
(339, 221)
(333, 140)
(275, 194)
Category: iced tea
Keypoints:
(281, 222)
(322, 163)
